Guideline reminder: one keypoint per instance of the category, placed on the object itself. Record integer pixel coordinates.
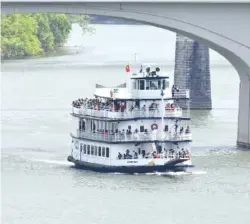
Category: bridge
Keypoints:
(222, 25)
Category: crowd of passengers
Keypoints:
(99, 104)
(109, 105)
(171, 153)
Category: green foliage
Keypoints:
(60, 26)
(33, 34)
(44, 33)
(18, 36)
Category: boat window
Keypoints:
(134, 84)
(83, 125)
(76, 144)
(153, 84)
(99, 151)
(142, 84)
(92, 150)
(147, 84)
(95, 150)
(103, 151)
(81, 147)
(159, 84)
(113, 127)
(165, 84)
(85, 149)
(88, 149)
(166, 128)
(107, 152)
(142, 128)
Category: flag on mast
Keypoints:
(128, 68)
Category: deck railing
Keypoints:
(136, 137)
(182, 93)
(171, 156)
(177, 112)
(155, 93)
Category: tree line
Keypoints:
(35, 34)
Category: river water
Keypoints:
(38, 184)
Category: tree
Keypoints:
(33, 34)
(44, 33)
(18, 37)
(60, 26)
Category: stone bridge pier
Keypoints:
(192, 71)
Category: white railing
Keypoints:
(182, 93)
(119, 137)
(177, 112)
(168, 156)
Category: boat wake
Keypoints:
(177, 173)
(167, 173)
(56, 162)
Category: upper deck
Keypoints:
(147, 84)
(143, 96)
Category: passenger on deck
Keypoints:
(168, 106)
(174, 90)
(181, 130)
(119, 155)
(187, 130)
(127, 155)
(183, 153)
(128, 132)
(135, 155)
(143, 108)
(176, 128)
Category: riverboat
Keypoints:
(140, 126)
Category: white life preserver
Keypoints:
(154, 126)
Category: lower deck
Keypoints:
(95, 154)
(174, 166)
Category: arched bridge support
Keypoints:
(221, 25)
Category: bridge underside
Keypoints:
(224, 27)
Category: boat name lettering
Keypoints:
(132, 161)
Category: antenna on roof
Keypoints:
(135, 57)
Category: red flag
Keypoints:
(127, 68)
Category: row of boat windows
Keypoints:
(94, 150)
(150, 84)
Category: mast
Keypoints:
(135, 54)
(162, 112)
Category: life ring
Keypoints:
(154, 126)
